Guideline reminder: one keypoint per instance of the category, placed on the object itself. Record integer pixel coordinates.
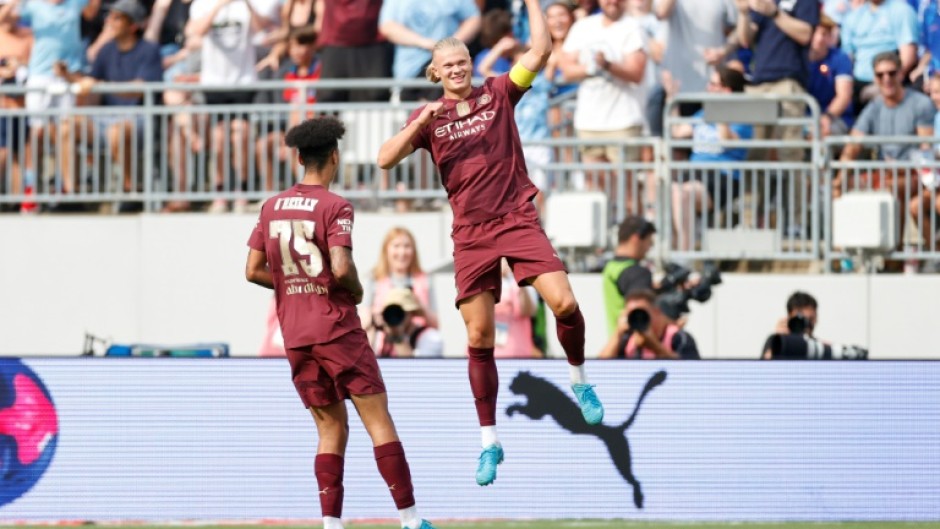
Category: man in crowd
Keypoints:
(626, 273)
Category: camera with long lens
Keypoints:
(673, 298)
(799, 345)
(639, 320)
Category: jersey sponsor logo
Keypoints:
(306, 288)
(484, 100)
(465, 127)
(296, 203)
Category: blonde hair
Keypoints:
(443, 44)
(381, 270)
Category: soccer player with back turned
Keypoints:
(472, 137)
(302, 248)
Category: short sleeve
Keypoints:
(390, 12)
(842, 65)
(199, 9)
(339, 229)
(807, 11)
(98, 70)
(256, 239)
(501, 84)
(421, 140)
(907, 30)
(866, 120)
(633, 40)
(744, 131)
(925, 113)
(573, 42)
(26, 13)
(731, 14)
(151, 67)
(467, 9)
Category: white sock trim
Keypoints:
(330, 522)
(488, 436)
(577, 374)
(409, 518)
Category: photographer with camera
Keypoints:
(625, 272)
(405, 336)
(644, 332)
(793, 338)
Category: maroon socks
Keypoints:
(329, 471)
(393, 467)
(571, 335)
(484, 382)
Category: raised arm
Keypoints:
(198, 27)
(399, 146)
(541, 49)
(344, 270)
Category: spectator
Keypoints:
(56, 29)
(720, 186)
(925, 208)
(929, 20)
(896, 111)
(16, 42)
(779, 36)
(351, 47)
(803, 307)
(697, 40)
(661, 339)
(294, 14)
(830, 80)
(605, 53)
(837, 10)
(399, 267)
(405, 332)
(302, 64)
(414, 26)
(626, 273)
(496, 29)
(586, 8)
(514, 312)
(226, 29)
(126, 58)
(167, 28)
(878, 26)
(560, 17)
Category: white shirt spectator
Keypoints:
(228, 56)
(606, 103)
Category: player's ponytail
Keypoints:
(446, 43)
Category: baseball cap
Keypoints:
(132, 8)
(634, 224)
(402, 297)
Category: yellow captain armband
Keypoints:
(522, 76)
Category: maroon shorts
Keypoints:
(330, 372)
(518, 236)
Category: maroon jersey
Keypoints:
(476, 147)
(350, 23)
(296, 230)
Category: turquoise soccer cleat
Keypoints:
(425, 525)
(486, 469)
(591, 407)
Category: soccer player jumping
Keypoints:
(302, 248)
(472, 137)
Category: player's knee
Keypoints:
(480, 336)
(564, 306)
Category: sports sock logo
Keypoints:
(545, 398)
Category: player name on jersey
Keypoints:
(298, 203)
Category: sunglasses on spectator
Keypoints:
(889, 73)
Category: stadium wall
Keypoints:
(157, 440)
(180, 279)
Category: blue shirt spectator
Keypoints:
(708, 146)
(778, 56)
(415, 25)
(502, 64)
(830, 80)
(837, 9)
(930, 35)
(57, 32)
(877, 26)
(532, 111)
(140, 63)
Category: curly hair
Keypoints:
(316, 139)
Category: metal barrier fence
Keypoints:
(717, 206)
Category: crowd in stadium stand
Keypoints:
(624, 59)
